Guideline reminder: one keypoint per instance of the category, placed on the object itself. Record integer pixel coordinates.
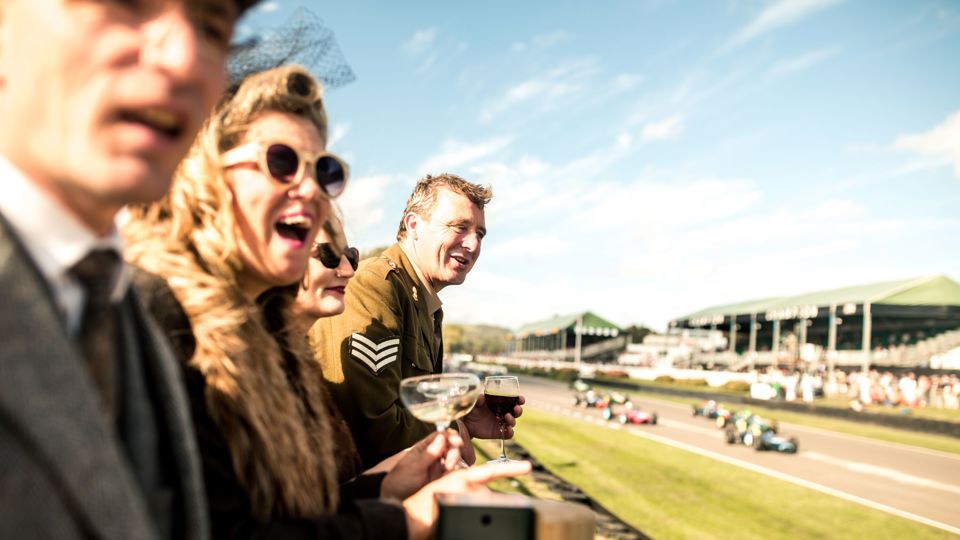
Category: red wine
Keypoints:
(501, 405)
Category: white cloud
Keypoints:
(337, 133)
(692, 91)
(669, 128)
(524, 91)
(456, 155)
(781, 13)
(269, 6)
(541, 41)
(428, 62)
(942, 142)
(420, 41)
(546, 92)
(364, 205)
(426, 48)
(551, 90)
(626, 81)
(789, 66)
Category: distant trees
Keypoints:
(475, 339)
(372, 252)
(638, 332)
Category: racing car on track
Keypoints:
(760, 433)
(628, 413)
(713, 410)
(584, 396)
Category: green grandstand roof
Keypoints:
(564, 322)
(936, 290)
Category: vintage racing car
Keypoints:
(584, 396)
(712, 409)
(760, 433)
(628, 413)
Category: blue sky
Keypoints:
(652, 158)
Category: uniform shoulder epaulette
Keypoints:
(382, 266)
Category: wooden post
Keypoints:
(775, 347)
(867, 330)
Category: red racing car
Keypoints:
(628, 413)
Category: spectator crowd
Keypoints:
(875, 387)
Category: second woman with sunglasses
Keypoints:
(324, 285)
(232, 241)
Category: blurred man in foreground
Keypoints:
(100, 99)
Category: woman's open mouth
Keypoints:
(295, 228)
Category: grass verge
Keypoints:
(669, 493)
(525, 485)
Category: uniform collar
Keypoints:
(432, 298)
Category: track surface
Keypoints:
(916, 483)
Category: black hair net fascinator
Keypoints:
(303, 39)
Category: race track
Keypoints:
(915, 483)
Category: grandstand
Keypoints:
(580, 336)
(893, 324)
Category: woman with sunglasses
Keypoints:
(324, 285)
(231, 242)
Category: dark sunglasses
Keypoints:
(328, 257)
(286, 165)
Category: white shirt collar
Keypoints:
(53, 237)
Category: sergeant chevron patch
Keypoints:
(375, 355)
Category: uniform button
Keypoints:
(392, 264)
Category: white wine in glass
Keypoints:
(440, 399)
(501, 393)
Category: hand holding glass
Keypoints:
(440, 399)
(501, 393)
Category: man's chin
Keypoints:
(133, 184)
(457, 279)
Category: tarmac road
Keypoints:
(915, 483)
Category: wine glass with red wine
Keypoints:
(501, 393)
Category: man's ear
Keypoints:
(412, 221)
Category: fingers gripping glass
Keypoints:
(328, 257)
(287, 165)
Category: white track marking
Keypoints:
(674, 424)
(883, 472)
(752, 467)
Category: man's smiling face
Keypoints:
(446, 243)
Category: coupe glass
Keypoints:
(501, 393)
(440, 399)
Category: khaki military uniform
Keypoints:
(385, 334)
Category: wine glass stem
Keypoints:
(503, 450)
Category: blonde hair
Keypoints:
(423, 200)
(282, 453)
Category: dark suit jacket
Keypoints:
(63, 470)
